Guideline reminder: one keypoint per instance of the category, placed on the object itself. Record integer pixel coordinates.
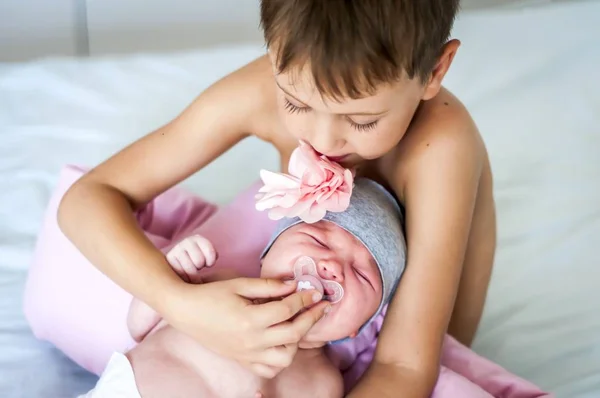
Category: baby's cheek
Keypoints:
(342, 321)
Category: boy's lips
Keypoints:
(333, 158)
(337, 158)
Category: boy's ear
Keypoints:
(432, 88)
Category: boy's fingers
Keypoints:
(282, 334)
(253, 288)
(279, 357)
(276, 312)
(305, 321)
(265, 371)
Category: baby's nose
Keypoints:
(332, 270)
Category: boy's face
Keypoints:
(351, 130)
(339, 257)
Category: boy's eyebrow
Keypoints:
(288, 93)
(343, 114)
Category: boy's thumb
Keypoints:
(264, 288)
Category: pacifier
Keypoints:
(305, 272)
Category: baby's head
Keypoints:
(362, 250)
(347, 71)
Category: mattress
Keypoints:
(530, 78)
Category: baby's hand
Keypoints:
(190, 255)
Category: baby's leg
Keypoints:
(310, 375)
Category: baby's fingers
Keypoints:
(195, 254)
(186, 262)
(210, 254)
(201, 249)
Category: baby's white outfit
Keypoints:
(117, 380)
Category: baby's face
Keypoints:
(339, 257)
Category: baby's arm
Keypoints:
(186, 258)
(310, 375)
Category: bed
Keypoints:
(530, 78)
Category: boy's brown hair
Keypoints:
(354, 45)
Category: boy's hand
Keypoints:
(190, 255)
(222, 315)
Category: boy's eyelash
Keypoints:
(291, 108)
(364, 127)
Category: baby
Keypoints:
(353, 259)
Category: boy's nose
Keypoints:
(331, 269)
(324, 140)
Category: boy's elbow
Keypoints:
(65, 208)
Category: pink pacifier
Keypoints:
(305, 272)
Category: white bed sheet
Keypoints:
(529, 77)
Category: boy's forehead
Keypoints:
(300, 86)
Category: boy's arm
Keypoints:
(142, 319)
(440, 182)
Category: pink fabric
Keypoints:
(83, 313)
(463, 373)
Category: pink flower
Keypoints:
(314, 186)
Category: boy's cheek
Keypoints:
(296, 125)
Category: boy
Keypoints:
(362, 250)
(361, 82)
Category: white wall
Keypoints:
(34, 28)
(160, 25)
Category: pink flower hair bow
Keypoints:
(314, 186)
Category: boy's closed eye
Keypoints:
(293, 109)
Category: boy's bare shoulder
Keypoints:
(442, 127)
(250, 90)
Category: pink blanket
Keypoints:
(73, 306)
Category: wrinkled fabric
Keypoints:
(70, 304)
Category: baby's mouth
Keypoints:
(305, 273)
